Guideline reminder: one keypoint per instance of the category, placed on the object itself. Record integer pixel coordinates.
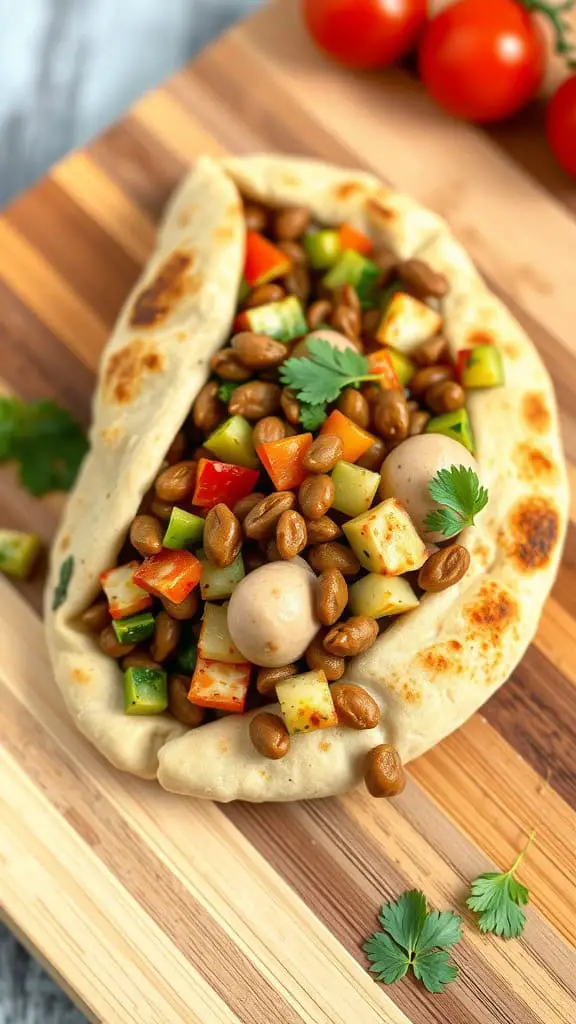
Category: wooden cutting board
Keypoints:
(153, 909)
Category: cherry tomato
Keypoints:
(561, 125)
(482, 59)
(365, 33)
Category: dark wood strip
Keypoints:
(197, 935)
(136, 161)
(94, 266)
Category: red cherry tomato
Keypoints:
(482, 59)
(365, 33)
(561, 125)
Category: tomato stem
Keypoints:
(555, 13)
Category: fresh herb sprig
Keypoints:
(312, 416)
(44, 440)
(461, 495)
(416, 938)
(496, 898)
(226, 389)
(320, 376)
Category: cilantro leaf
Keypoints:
(461, 496)
(46, 442)
(226, 389)
(61, 588)
(414, 937)
(312, 416)
(496, 898)
(320, 376)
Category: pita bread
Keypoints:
(437, 664)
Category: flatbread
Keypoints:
(437, 664)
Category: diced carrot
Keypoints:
(380, 362)
(171, 574)
(218, 684)
(355, 440)
(352, 238)
(264, 261)
(283, 460)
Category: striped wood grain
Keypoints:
(153, 908)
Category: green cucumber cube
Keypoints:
(134, 629)
(455, 425)
(354, 488)
(18, 552)
(145, 691)
(484, 368)
(216, 584)
(232, 442)
(283, 320)
(323, 248)
(354, 269)
(187, 652)
(185, 530)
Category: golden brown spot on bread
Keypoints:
(410, 693)
(112, 436)
(492, 612)
(534, 529)
(222, 747)
(324, 746)
(443, 657)
(79, 675)
(64, 542)
(161, 296)
(379, 211)
(225, 233)
(536, 413)
(481, 338)
(533, 464)
(291, 180)
(125, 369)
(347, 188)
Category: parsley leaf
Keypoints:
(414, 937)
(61, 588)
(226, 389)
(320, 376)
(461, 495)
(496, 898)
(312, 416)
(46, 442)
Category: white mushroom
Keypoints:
(271, 615)
(334, 338)
(411, 466)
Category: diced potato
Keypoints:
(215, 642)
(124, 596)
(215, 583)
(385, 539)
(407, 322)
(378, 596)
(306, 703)
(216, 684)
(354, 488)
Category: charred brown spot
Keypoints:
(411, 694)
(64, 542)
(481, 338)
(442, 657)
(125, 368)
(348, 188)
(492, 613)
(158, 300)
(324, 746)
(534, 530)
(536, 412)
(380, 211)
(80, 676)
(533, 464)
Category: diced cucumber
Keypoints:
(216, 584)
(187, 651)
(323, 248)
(484, 368)
(356, 270)
(455, 425)
(354, 488)
(18, 552)
(405, 367)
(283, 320)
(385, 539)
(232, 442)
(377, 596)
(135, 629)
(185, 530)
(145, 691)
(306, 702)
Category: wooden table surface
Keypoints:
(155, 909)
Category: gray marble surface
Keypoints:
(67, 69)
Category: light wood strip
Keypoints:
(173, 128)
(556, 638)
(102, 200)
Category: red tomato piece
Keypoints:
(218, 684)
(171, 574)
(561, 125)
(462, 361)
(355, 440)
(482, 59)
(365, 33)
(282, 460)
(263, 260)
(380, 362)
(222, 482)
(351, 238)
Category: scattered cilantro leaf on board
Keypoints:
(461, 495)
(61, 588)
(320, 376)
(496, 898)
(414, 937)
(45, 441)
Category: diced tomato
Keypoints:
(380, 362)
(124, 596)
(283, 460)
(241, 323)
(352, 238)
(218, 684)
(222, 482)
(264, 261)
(171, 574)
(355, 440)
(462, 361)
